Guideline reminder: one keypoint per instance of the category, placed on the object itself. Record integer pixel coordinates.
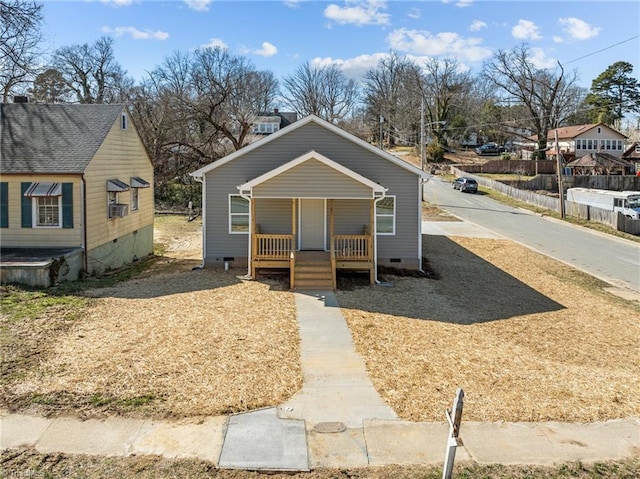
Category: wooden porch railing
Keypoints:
(352, 247)
(272, 247)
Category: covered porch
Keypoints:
(331, 217)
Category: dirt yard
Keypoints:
(527, 338)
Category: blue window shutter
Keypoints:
(4, 204)
(25, 205)
(67, 205)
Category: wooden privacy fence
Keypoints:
(276, 247)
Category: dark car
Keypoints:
(465, 184)
(489, 149)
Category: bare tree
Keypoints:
(392, 96)
(20, 37)
(50, 87)
(92, 72)
(445, 89)
(546, 95)
(321, 90)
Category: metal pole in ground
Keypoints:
(453, 441)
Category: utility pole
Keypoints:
(422, 159)
(559, 168)
(381, 122)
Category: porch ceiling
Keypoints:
(312, 175)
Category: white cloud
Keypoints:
(477, 25)
(358, 12)
(267, 50)
(445, 43)
(353, 68)
(460, 3)
(414, 13)
(118, 3)
(540, 60)
(578, 29)
(135, 33)
(215, 42)
(526, 30)
(198, 5)
(558, 39)
(292, 3)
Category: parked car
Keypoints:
(465, 184)
(489, 149)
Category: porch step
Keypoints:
(313, 274)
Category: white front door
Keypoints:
(312, 224)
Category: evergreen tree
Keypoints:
(614, 93)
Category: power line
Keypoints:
(602, 50)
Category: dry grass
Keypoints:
(527, 338)
(172, 343)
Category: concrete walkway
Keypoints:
(336, 420)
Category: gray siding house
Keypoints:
(314, 199)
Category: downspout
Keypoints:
(83, 215)
(201, 180)
(421, 182)
(374, 234)
(249, 256)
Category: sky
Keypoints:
(281, 35)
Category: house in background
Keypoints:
(76, 191)
(632, 154)
(580, 140)
(312, 199)
(600, 164)
(267, 123)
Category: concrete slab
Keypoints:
(611, 440)
(338, 449)
(402, 442)
(17, 430)
(260, 440)
(457, 228)
(109, 437)
(182, 439)
(336, 384)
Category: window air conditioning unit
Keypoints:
(118, 210)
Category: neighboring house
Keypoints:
(267, 123)
(632, 154)
(600, 164)
(314, 199)
(76, 185)
(579, 140)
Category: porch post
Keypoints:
(332, 254)
(294, 223)
(254, 240)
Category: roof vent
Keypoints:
(20, 99)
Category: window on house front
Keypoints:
(4, 204)
(123, 121)
(608, 147)
(137, 183)
(134, 199)
(386, 216)
(589, 145)
(238, 215)
(599, 130)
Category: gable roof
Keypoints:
(604, 160)
(299, 124)
(52, 138)
(571, 132)
(313, 155)
(633, 152)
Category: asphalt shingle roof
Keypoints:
(52, 138)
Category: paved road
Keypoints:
(609, 258)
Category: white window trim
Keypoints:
(393, 216)
(34, 213)
(231, 215)
(135, 194)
